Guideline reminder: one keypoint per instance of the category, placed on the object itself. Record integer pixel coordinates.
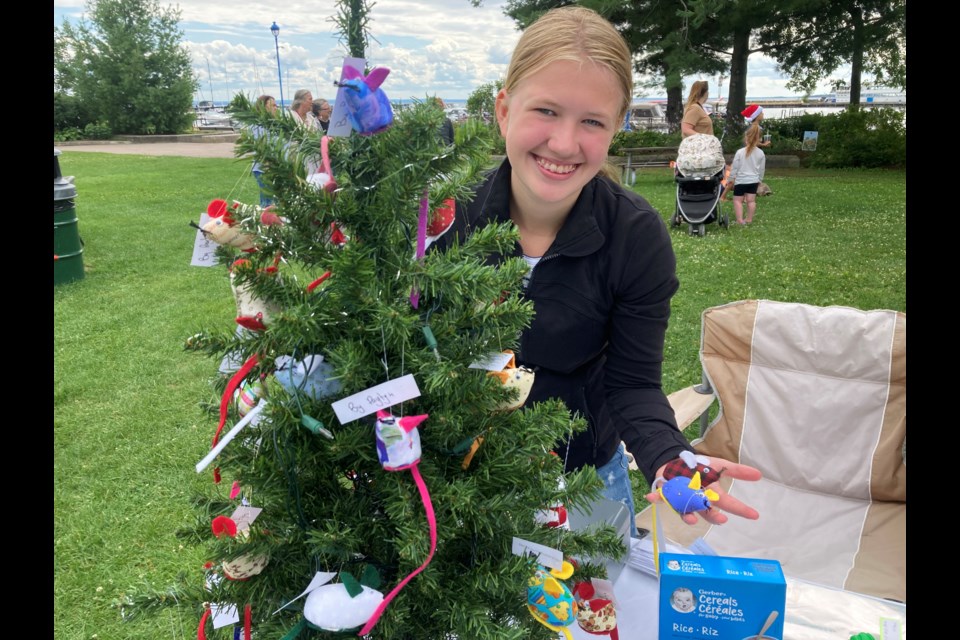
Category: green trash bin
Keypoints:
(67, 245)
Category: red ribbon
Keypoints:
(201, 634)
(225, 403)
(313, 285)
(247, 624)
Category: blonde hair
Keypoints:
(752, 137)
(698, 89)
(576, 34)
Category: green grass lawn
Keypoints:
(129, 427)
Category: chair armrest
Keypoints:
(688, 405)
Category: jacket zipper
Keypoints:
(542, 260)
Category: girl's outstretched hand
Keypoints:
(727, 503)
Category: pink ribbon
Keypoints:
(432, 520)
(421, 243)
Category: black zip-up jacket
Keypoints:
(601, 296)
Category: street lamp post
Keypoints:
(275, 30)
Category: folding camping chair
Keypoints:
(815, 397)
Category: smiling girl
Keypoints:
(602, 265)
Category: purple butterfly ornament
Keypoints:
(368, 108)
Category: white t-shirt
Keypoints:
(533, 263)
(747, 169)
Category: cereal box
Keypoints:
(711, 597)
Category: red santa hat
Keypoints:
(752, 112)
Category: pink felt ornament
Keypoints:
(398, 446)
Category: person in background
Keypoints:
(753, 116)
(446, 129)
(321, 113)
(602, 268)
(695, 117)
(268, 104)
(746, 173)
(302, 108)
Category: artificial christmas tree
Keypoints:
(370, 341)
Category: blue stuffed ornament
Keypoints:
(368, 108)
(685, 495)
(311, 376)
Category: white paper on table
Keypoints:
(890, 629)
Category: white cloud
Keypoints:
(432, 47)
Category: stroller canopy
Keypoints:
(700, 156)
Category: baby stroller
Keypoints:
(699, 176)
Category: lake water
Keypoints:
(775, 113)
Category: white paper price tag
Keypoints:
(319, 579)
(603, 589)
(375, 398)
(244, 516)
(203, 247)
(339, 123)
(224, 614)
(492, 362)
(547, 556)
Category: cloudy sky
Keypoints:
(432, 47)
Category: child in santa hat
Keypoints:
(749, 165)
(753, 115)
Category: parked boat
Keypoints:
(871, 94)
(208, 116)
(648, 116)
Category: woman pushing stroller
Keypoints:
(748, 168)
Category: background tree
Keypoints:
(870, 35)
(655, 33)
(482, 101)
(127, 65)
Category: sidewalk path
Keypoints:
(185, 149)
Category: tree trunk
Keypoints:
(856, 58)
(674, 86)
(737, 99)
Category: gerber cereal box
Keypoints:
(711, 597)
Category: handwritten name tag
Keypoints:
(244, 516)
(203, 247)
(375, 398)
(339, 122)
